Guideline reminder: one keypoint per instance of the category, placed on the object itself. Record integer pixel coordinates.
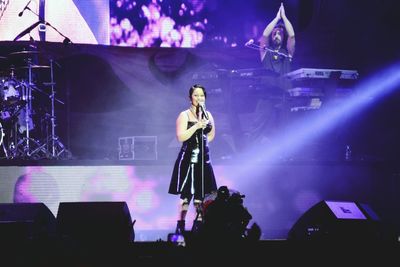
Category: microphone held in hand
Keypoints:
(25, 8)
(203, 110)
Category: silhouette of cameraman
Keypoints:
(225, 218)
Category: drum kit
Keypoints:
(19, 89)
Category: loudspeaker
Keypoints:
(95, 222)
(26, 222)
(337, 220)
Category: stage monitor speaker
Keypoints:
(26, 222)
(337, 220)
(95, 222)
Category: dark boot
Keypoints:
(197, 224)
(180, 227)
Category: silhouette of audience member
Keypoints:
(224, 238)
(226, 220)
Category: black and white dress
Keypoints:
(187, 177)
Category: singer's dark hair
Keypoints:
(194, 87)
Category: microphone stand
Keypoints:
(40, 22)
(202, 164)
(201, 143)
(204, 115)
(196, 225)
(252, 45)
(27, 30)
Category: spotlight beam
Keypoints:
(314, 125)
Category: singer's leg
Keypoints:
(180, 226)
(197, 223)
(199, 209)
(184, 208)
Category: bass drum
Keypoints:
(10, 94)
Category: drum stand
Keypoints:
(27, 147)
(2, 141)
(53, 145)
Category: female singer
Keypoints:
(193, 175)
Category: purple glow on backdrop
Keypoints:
(305, 199)
(160, 28)
(23, 192)
(295, 135)
(36, 185)
(81, 21)
(144, 193)
(273, 198)
(137, 23)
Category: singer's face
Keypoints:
(198, 96)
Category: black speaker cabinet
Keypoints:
(95, 222)
(26, 222)
(337, 220)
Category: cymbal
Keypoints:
(35, 67)
(24, 52)
(1, 57)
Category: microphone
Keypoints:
(249, 42)
(66, 41)
(25, 8)
(203, 110)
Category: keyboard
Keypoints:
(312, 73)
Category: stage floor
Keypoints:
(276, 194)
(275, 252)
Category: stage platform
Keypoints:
(276, 194)
(262, 253)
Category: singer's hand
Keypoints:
(202, 124)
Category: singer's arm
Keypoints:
(182, 133)
(211, 134)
